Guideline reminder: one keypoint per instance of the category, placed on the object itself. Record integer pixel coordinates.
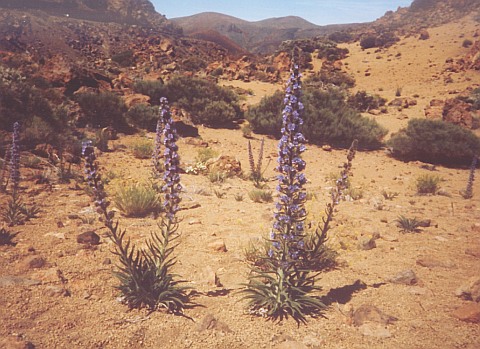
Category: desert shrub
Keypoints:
(6, 237)
(217, 71)
(206, 102)
(217, 176)
(142, 149)
(340, 36)
(124, 58)
(260, 195)
(435, 141)
(384, 39)
(102, 110)
(473, 98)
(143, 116)
(193, 64)
(205, 154)
(154, 89)
(330, 77)
(427, 184)
(328, 119)
(136, 199)
(363, 101)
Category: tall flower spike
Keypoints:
(468, 193)
(157, 146)
(288, 229)
(15, 158)
(171, 177)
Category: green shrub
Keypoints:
(427, 184)
(434, 141)
(124, 58)
(363, 101)
(217, 177)
(206, 102)
(384, 39)
(340, 36)
(154, 89)
(136, 199)
(143, 116)
(102, 110)
(142, 149)
(260, 195)
(327, 119)
(205, 154)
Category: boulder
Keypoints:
(225, 163)
(134, 99)
(458, 112)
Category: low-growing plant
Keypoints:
(246, 130)
(219, 194)
(408, 225)
(389, 195)
(205, 154)
(6, 237)
(434, 141)
(363, 101)
(427, 183)
(143, 116)
(142, 149)
(238, 197)
(136, 199)
(260, 195)
(217, 176)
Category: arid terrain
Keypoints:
(58, 293)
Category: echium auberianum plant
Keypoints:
(156, 159)
(468, 192)
(284, 287)
(16, 212)
(145, 275)
(256, 173)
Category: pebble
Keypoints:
(210, 322)
(88, 238)
(33, 262)
(218, 246)
(470, 290)
(370, 313)
(15, 343)
(406, 277)
(468, 313)
(194, 222)
(291, 345)
(430, 262)
(374, 330)
(56, 291)
(17, 281)
(366, 243)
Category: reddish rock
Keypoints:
(218, 246)
(434, 111)
(424, 35)
(369, 313)
(15, 343)
(458, 112)
(224, 163)
(468, 313)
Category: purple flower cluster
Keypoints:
(95, 182)
(172, 186)
(288, 229)
(15, 158)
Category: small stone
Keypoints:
(88, 238)
(194, 222)
(468, 313)
(56, 235)
(473, 251)
(218, 246)
(17, 281)
(55, 291)
(440, 238)
(406, 277)
(210, 322)
(430, 262)
(190, 205)
(384, 220)
(107, 261)
(60, 224)
(425, 223)
(389, 238)
(366, 243)
(374, 330)
(370, 313)
(33, 262)
(470, 290)
(326, 147)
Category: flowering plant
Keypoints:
(145, 275)
(283, 286)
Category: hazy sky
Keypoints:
(320, 12)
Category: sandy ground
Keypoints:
(90, 316)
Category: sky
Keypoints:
(320, 12)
